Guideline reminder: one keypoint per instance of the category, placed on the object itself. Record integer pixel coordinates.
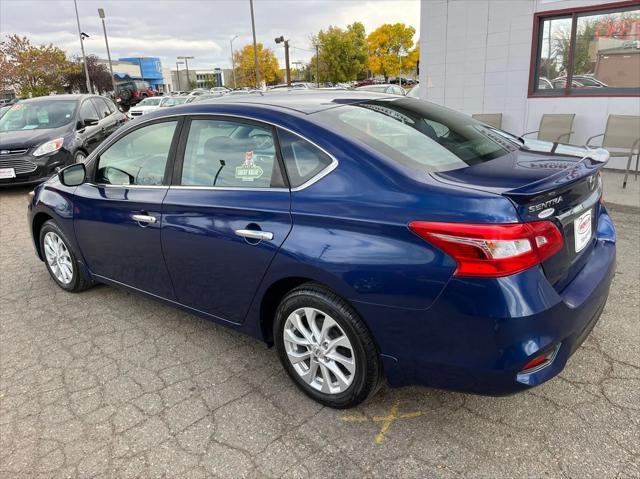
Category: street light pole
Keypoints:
(233, 62)
(178, 73)
(318, 64)
(186, 64)
(255, 47)
(84, 57)
(281, 39)
(106, 41)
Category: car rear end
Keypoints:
(520, 303)
(525, 289)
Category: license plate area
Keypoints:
(6, 173)
(582, 230)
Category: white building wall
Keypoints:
(475, 57)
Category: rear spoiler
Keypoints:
(593, 160)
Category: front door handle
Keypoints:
(255, 234)
(144, 218)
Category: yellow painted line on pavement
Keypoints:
(387, 421)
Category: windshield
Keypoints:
(38, 115)
(173, 101)
(150, 102)
(419, 135)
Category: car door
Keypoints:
(225, 215)
(90, 131)
(118, 212)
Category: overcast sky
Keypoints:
(200, 28)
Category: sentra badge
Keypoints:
(547, 204)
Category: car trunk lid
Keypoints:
(549, 181)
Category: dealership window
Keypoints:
(587, 52)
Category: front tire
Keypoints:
(61, 260)
(326, 348)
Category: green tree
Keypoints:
(245, 65)
(386, 44)
(31, 70)
(99, 75)
(343, 52)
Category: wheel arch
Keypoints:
(271, 299)
(38, 221)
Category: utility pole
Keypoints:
(233, 62)
(318, 64)
(281, 39)
(178, 73)
(186, 64)
(84, 57)
(106, 42)
(255, 46)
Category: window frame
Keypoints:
(536, 42)
(92, 167)
(176, 174)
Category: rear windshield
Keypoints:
(418, 134)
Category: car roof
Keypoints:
(301, 101)
(59, 97)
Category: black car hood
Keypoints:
(21, 139)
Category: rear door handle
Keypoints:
(255, 234)
(144, 218)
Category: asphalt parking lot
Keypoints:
(108, 384)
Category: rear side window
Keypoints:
(302, 160)
(419, 135)
(139, 158)
(232, 154)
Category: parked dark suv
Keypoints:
(132, 92)
(40, 134)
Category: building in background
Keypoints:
(122, 69)
(150, 70)
(198, 78)
(513, 58)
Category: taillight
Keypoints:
(492, 250)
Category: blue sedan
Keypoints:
(369, 238)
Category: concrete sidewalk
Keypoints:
(617, 197)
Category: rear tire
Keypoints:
(61, 260)
(326, 348)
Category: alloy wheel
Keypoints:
(319, 350)
(58, 257)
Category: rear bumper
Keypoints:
(480, 333)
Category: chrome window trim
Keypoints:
(318, 176)
(109, 185)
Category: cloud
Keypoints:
(201, 28)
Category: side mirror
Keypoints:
(73, 175)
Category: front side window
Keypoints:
(422, 136)
(139, 158)
(230, 154)
(101, 107)
(302, 160)
(88, 111)
(602, 56)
